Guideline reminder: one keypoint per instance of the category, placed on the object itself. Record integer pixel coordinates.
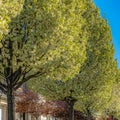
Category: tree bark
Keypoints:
(89, 116)
(23, 116)
(71, 110)
(10, 104)
(36, 118)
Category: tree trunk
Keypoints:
(10, 104)
(23, 116)
(71, 110)
(36, 118)
(89, 116)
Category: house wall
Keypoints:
(3, 108)
(19, 116)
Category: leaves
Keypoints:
(96, 77)
(45, 36)
(29, 102)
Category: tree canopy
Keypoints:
(96, 77)
(40, 38)
(55, 40)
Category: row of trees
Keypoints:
(56, 40)
(90, 90)
(30, 102)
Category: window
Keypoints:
(43, 118)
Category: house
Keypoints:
(18, 115)
(47, 110)
(3, 107)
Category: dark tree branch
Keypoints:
(2, 75)
(3, 88)
(25, 79)
(16, 75)
(3, 85)
(23, 74)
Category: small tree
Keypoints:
(29, 102)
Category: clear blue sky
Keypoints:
(110, 9)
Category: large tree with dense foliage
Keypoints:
(96, 77)
(40, 38)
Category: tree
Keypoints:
(60, 91)
(98, 74)
(96, 77)
(39, 38)
(29, 102)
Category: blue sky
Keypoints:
(110, 9)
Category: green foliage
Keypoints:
(92, 87)
(8, 10)
(57, 40)
(96, 76)
(45, 37)
(114, 106)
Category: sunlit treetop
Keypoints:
(42, 38)
(96, 77)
